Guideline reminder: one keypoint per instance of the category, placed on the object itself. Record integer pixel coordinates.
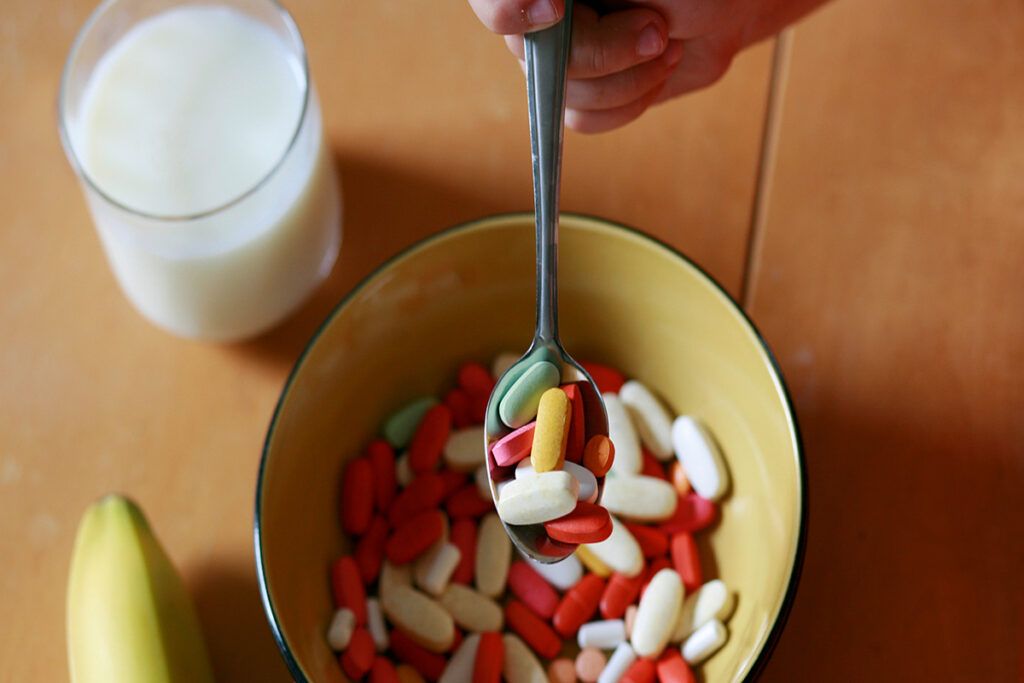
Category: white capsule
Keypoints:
(562, 575)
(460, 666)
(713, 600)
(403, 470)
(502, 362)
(434, 568)
(619, 551)
(699, 455)
(653, 423)
(640, 498)
(618, 663)
(657, 614)
(538, 498)
(585, 478)
(464, 450)
(339, 633)
(375, 624)
(604, 635)
(704, 642)
(623, 436)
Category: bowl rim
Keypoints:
(797, 560)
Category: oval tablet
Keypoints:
(400, 427)
(465, 449)
(519, 404)
(704, 642)
(521, 666)
(640, 498)
(657, 614)
(653, 423)
(422, 618)
(699, 455)
(460, 666)
(587, 523)
(586, 478)
(619, 551)
(471, 610)
(623, 435)
(493, 555)
(599, 455)
(713, 600)
(562, 575)
(515, 446)
(538, 498)
(552, 431)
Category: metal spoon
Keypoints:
(547, 56)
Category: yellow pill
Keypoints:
(592, 563)
(552, 431)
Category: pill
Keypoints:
(653, 423)
(451, 482)
(400, 427)
(515, 446)
(677, 475)
(549, 547)
(434, 568)
(429, 664)
(585, 478)
(475, 379)
(490, 658)
(699, 455)
(493, 555)
(577, 437)
(348, 588)
(520, 402)
(590, 662)
(532, 629)
(623, 435)
(521, 665)
(482, 481)
(393, 575)
(686, 560)
(562, 575)
(502, 362)
(339, 633)
(713, 600)
(463, 536)
(369, 550)
(551, 432)
(620, 593)
(592, 563)
(587, 523)
(424, 619)
(657, 614)
(620, 551)
(358, 657)
(357, 496)
(578, 605)
(640, 671)
(599, 455)
(630, 620)
(414, 536)
(459, 403)
(672, 668)
(492, 422)
(460, 666)
(428, 442)
(561, 670)
(607, 379)
(539, 498)
(653, 541)
(618, 664)
(604, 635)
(465, 448)
(382, 462)
(639, 498)
(649, 465)
(471, 610)
(383, 671)
(693, 513)
(407, 674)
(467, 502)
(532, 589)
(704, 642)
(375, 624)
(653, 568)
(403, 471)
(424, 493)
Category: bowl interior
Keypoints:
(469, 293)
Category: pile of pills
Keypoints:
(432, 592)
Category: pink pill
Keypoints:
(562, 670)
(513, 447)
(589, 664)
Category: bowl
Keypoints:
(468, 292)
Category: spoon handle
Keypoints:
(547, 57)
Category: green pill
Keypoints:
(400, 427)
(519, 405)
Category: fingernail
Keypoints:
(541, 12)
(650, 42)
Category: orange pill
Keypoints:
(599, 455)
(578, 605)
(587, 523)
(562, 670)
(490, 658)
(677, 475)
(357, 496)
(590, 663)
(428, 442)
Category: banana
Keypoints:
(129, 619)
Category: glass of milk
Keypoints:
(196, 134)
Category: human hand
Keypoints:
(628, 55)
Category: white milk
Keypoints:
(183, 117)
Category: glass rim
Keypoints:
(79, 167)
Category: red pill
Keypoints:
(451, 481)
(607, 379)
(428, 442)
(463, 537)
(686, 561)
(595, 419)
(456, 640)
(348, 587)
(382, 462)
(490, 658)
(532, 589)
(532, 629)
(672, 668)
(653, 542)
(693, 513)
(545, 545)
(599, 454)
(578, 605)
(621, 592)
(587, 523)
(640, 671)
(357, 660)
(424, 493)
(511, 448)
(383, 671)
(652, 569)
(467, 502)
(369, 552)
(458, 403)
(475, 379)
(429, 664)
(577, 438)
(415, 536)
(357, 496)
(651, 467)
(477, 409)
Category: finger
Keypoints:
(704, 62)
(616, 90)
(694, 18)
(584, 121)
(517, 16)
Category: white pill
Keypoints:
(618, 663)
(420, 616)
(460, 666)
(657, 614)
(653, 423)
(339, 633)
(393, 576)
(640, 498)
(521, 666)
(562, 575)
(604, 635)
(403, 470)
(538, 498)
(483, 482)
(502, 362)
(464, 450)
(713, 600)
(704, 642)
(472, 610)
(619, 551)
(434, 568)
(493, 556)
(585, 478)
(375, 624)
(699, 455)
(623, 436)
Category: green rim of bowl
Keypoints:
(797, 560)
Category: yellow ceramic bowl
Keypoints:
(469, 293)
